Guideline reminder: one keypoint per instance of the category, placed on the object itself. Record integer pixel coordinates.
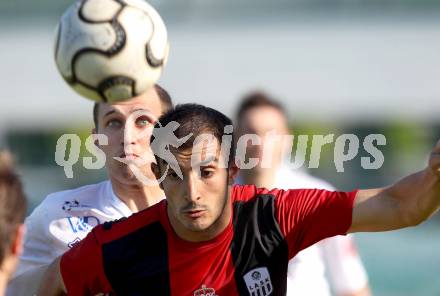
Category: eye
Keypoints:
(114, 123)
(206, 173)
(173, 176)
(142, 121)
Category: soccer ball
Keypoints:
(111, 50)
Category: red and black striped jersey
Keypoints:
(142, 255)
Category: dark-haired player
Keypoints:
(209, 236)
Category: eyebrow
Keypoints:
(109, 113)
(149, 114)
(207, 161)
(138, 109)
(114, 111)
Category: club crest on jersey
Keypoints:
(258, 282)
(205, 292)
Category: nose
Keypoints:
(130, 136)
(192, 192)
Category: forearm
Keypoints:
(406, 203)
(418, 196)
(52, 283)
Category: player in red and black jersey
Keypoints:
(212, 238)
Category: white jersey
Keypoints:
(61, 220)
(334, 257)
(331, 264)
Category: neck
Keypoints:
(136, 196)
(259, 177)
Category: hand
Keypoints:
(434, 160)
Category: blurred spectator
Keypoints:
(332, 264)
(12, 213)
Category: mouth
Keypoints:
(194, 214)
(129, 156)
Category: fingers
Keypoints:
(434, 162)
(437, 147)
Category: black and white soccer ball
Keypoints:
(111, 50)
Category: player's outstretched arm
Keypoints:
(52, 283)
(406, 203)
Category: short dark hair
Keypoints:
(13, 204)
(196, 119)
(258, 99)
(164, 96)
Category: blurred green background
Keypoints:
(339, 66)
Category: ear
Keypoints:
(17, 244)
(95, 141)
(156, 171)
(233, 172)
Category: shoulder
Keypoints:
(118, 229)
(243, 192)
(58, 204)
(248, 193)
(80, 193)
(73, 198)
(293, 179)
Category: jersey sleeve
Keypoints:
(343, 264)
(306, 216)
(82, 268)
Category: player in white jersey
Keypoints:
(330, 265)
(64, 218)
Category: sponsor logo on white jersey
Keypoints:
(82, 224)
(69, 205)
(258, 282)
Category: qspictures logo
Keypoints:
(345, 149)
